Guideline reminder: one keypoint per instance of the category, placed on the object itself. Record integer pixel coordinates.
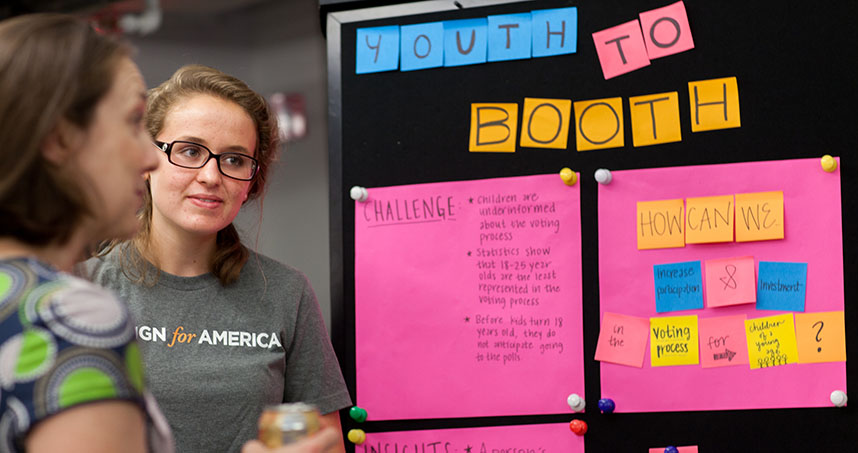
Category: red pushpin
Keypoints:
(578, 427)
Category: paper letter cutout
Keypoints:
(759, 216)
(465, 42)
(666, 31)
(545, 123)
(678, 286)
(621, 49)
(599, 124)
(821, 337)
(688, 449)
(673, 341)
(660, 224)
(555, 31)
(622, 340)
(493, 127)
(709, 219)
(722, 341)
(771, 341)
(714, 104)
(730, 281)
(782, 286)
(377, 49)
(509, 37)
(655, 119)
(422, 46)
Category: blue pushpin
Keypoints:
(607, 405)
(671, 449)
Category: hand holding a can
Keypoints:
(320, 441)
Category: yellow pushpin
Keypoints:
(568, 176)
(828, 163)
(357, 436)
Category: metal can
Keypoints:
(283, 424)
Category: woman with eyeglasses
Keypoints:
(223, 331)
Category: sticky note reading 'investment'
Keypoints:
(622, 340)
(782, 286)
(673, 341)
(678, 286)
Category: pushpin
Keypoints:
(359, 193)
(671, 449)
(356, 436)
(358, 414)
(828, 163)
(578, 427)
(568, 176)
(607, 405)
(838, 398)
(575, 402)
(603, 176)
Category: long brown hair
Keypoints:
(53, 68)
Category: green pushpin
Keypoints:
(357, 414)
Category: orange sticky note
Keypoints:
(660, 224)
(821, 337)
(722, 341)
(759, 216)
(599, 124)
(622, 339)
(730, 281)
(714, 104)
(655, 119)
(545, 123)
(493, 127)
(709, 219)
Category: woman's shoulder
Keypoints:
(260, 267)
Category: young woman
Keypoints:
(224, 331)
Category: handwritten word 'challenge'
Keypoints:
(398, 212)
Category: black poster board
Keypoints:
(796, 93)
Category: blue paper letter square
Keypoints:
(509, 37)
(465, 42)
(377, 49)
(678, 286)
(422, 46)
(555, 31)
(781, 286)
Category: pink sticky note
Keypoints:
(666, 31)
(722, 341)
(621, 49)
(549, 437)
(689, 449)
(622, 339)
(730, 281)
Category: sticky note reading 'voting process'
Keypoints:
(678, 286)
(782, 286)
(673, 341)
(821, 337)
(622, 340)
(660, 224)
(722, 341)
(730, 281)
(759, 216)
(709, 219)
(771, 341)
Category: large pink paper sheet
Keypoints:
(473, 312)
(812, 218)
(548, 438)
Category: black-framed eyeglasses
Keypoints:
(193, 155)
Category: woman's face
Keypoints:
(201, 201)
(114, 155)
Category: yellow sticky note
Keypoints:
(759, 216)
(709, 219)
(714, 104)
(599, 124)
(821, 337)
(771, 341)
(673, 341)
(545, 123)
(661, 224)
(493, 127)
(655, 119)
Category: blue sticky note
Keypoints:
(422, 46)
(781, 286)
(465, 42)
(509, 37)
(678, 286)
(555, 31)
(377, 49)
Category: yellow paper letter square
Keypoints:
(493, 127)
(714, 104)
(709, 219)
(821, 337)
(759, 216)
(599, 124)
(673, 341)
(545, 123)
(655, 119)
(771, 341)
(660, 224)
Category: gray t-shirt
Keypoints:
(215, 356)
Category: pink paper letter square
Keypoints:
(622, 339)
(621, 49)
(666, 31)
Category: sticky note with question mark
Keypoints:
(820, 337)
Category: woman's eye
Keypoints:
(190, 151)
(234, 160)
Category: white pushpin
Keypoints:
(576, 403)
(603, 176)
(359, 193)
(838, 398)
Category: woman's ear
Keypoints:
(61, 142)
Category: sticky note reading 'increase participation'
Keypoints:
(678, 286)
